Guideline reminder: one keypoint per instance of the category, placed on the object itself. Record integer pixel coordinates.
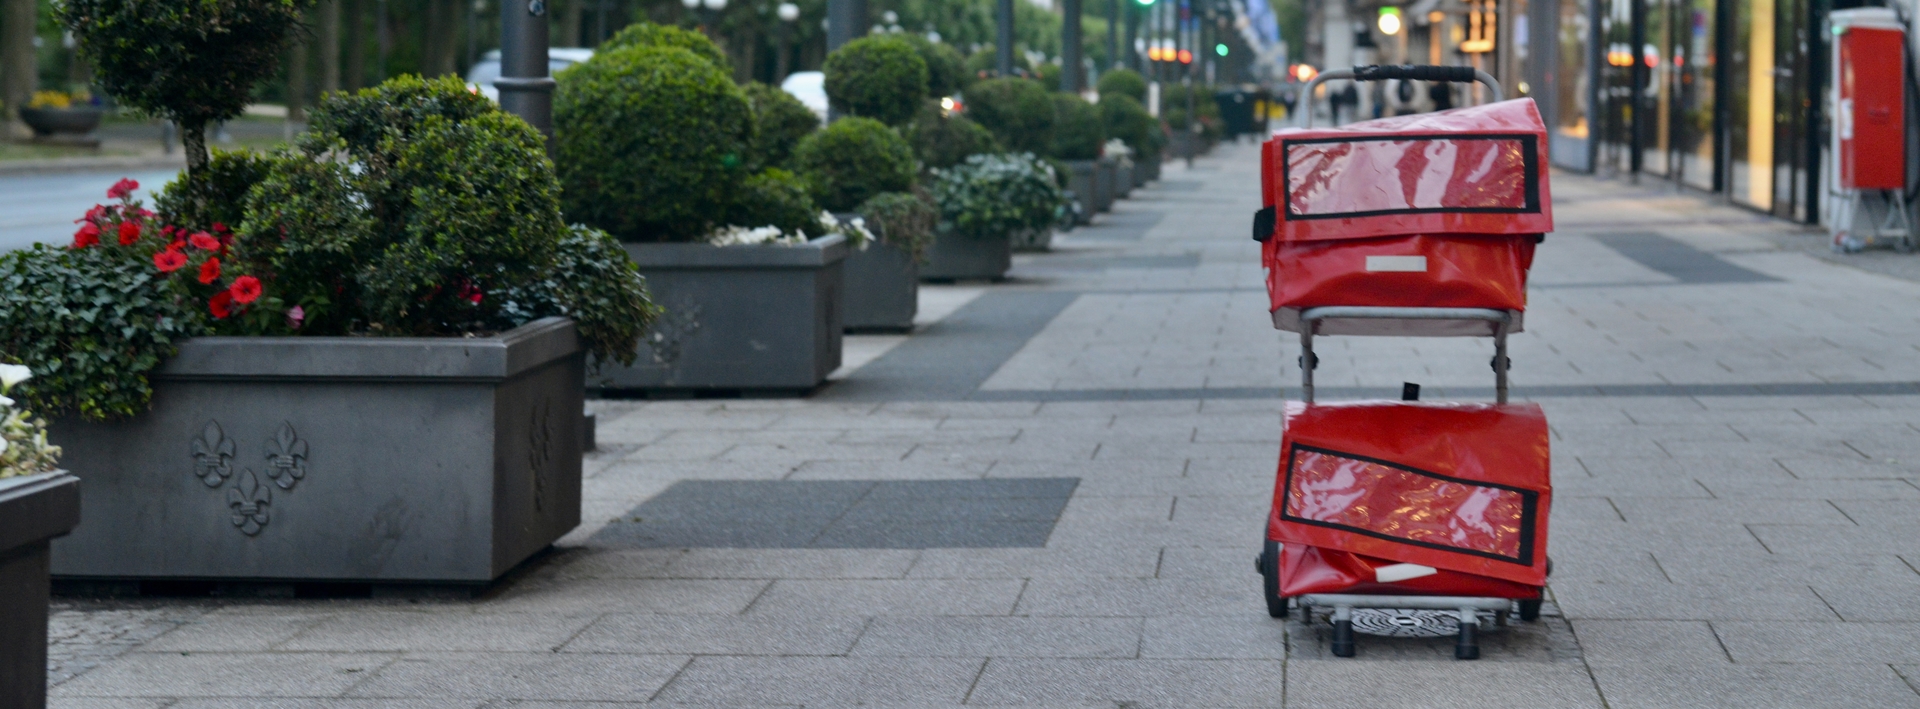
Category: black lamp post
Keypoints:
(709, 12)
(1003, 49)
(788, 13)
(526, 90)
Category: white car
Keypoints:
(480, 78)
(811, 88)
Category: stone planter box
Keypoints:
(47, 122)
(340, 459)
(1123, 178)
(762, 318)
(1104, 189)
(883, 289)
(33, 510)
(1082, 179)
(964, 258)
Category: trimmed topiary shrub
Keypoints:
(780, 121)
(648, 34)
(946, 70)
(1126, 119)
(774, 198)
(852, 160)
(1125, 82)
(880, 77)
(194, 63)
(1077, 130)
(994, 196)
(904, 220)
(940, 140)
(214, 195)
(984, 64)
(1019, 113)
(651, 143)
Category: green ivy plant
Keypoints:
(24, 449)
(993, 196)
(194, 62)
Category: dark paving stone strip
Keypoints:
(1101, 263)
(953, 357)
(845, 514)
(1677, 259)
(1466, 393)
(1121, 226)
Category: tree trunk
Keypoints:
(327, 36)
(19, 75)
(193, 141)
(442, 49)
(297, 78)
(354, 73)
(568, 33)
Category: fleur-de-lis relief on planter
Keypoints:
(672, 330)
(286, 457)
(212, 455)
(249, 500)
(540, 451)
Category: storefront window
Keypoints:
(1573, 86)
(1693, 60)
(1656, 140)
(1750, 129)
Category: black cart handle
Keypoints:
(1417, 72)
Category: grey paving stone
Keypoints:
(1663, 642)
(177, 674)
(1213, 683)
(233, 632)
(792, 563)
(1788, 641)
(541, 675)
(656, 595)
(328, 704)
(440, 631)
(106, 703)
(1625, 601)
(897, 597)
(1248, 636)
(604, 563)
(1060, 560)
(1350, 683)
(1236, 595)
(1000, 637)
(653, 633)
(1648, 686)
(822, 681)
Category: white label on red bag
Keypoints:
(1402, 572)
(1397, 264)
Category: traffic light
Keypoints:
(1220, 49)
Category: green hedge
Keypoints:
(946, 70)
(941, 140)
(852, 160)
(1019, 113)
(1126, 82)
(780, 121)
(880, 77)
(1078, 132)
(1127, 120)
(775, 198)
(647, 34)
(651, 142)
(993, 196)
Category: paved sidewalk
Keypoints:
(1050, 496)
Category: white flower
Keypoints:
(3, 445)
(11, 374)
(744, 236)
(6, 402)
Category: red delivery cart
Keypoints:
(1410, 226)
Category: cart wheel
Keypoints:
(1530, 610)
(1342, 638)
(1468, 646)
(1268, 563)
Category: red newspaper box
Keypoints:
(1432, 210)
(1871, 117)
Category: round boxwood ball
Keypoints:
(941, 141)
(651, 142)
(880, 77)
(1126, 82)
(780, 121)
(647, 34)
(852, 160)
(946, 70)
(1078, 132)
(1129, 121)
(1019, 112)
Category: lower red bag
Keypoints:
(1305, 569)
(1421, 270)
(1458, 487)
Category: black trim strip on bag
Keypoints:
(1529, 507)
(1530, 162)
(1264, 222)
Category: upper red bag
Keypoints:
(1455, 486)
(1438, 210)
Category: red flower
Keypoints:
(129, 233)
(88, 235)
(210, 271)
(121, 189)
(169, 260)
(222, 304)
(219, 227)
(203, 241)
(94, 214)
(245, 289)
